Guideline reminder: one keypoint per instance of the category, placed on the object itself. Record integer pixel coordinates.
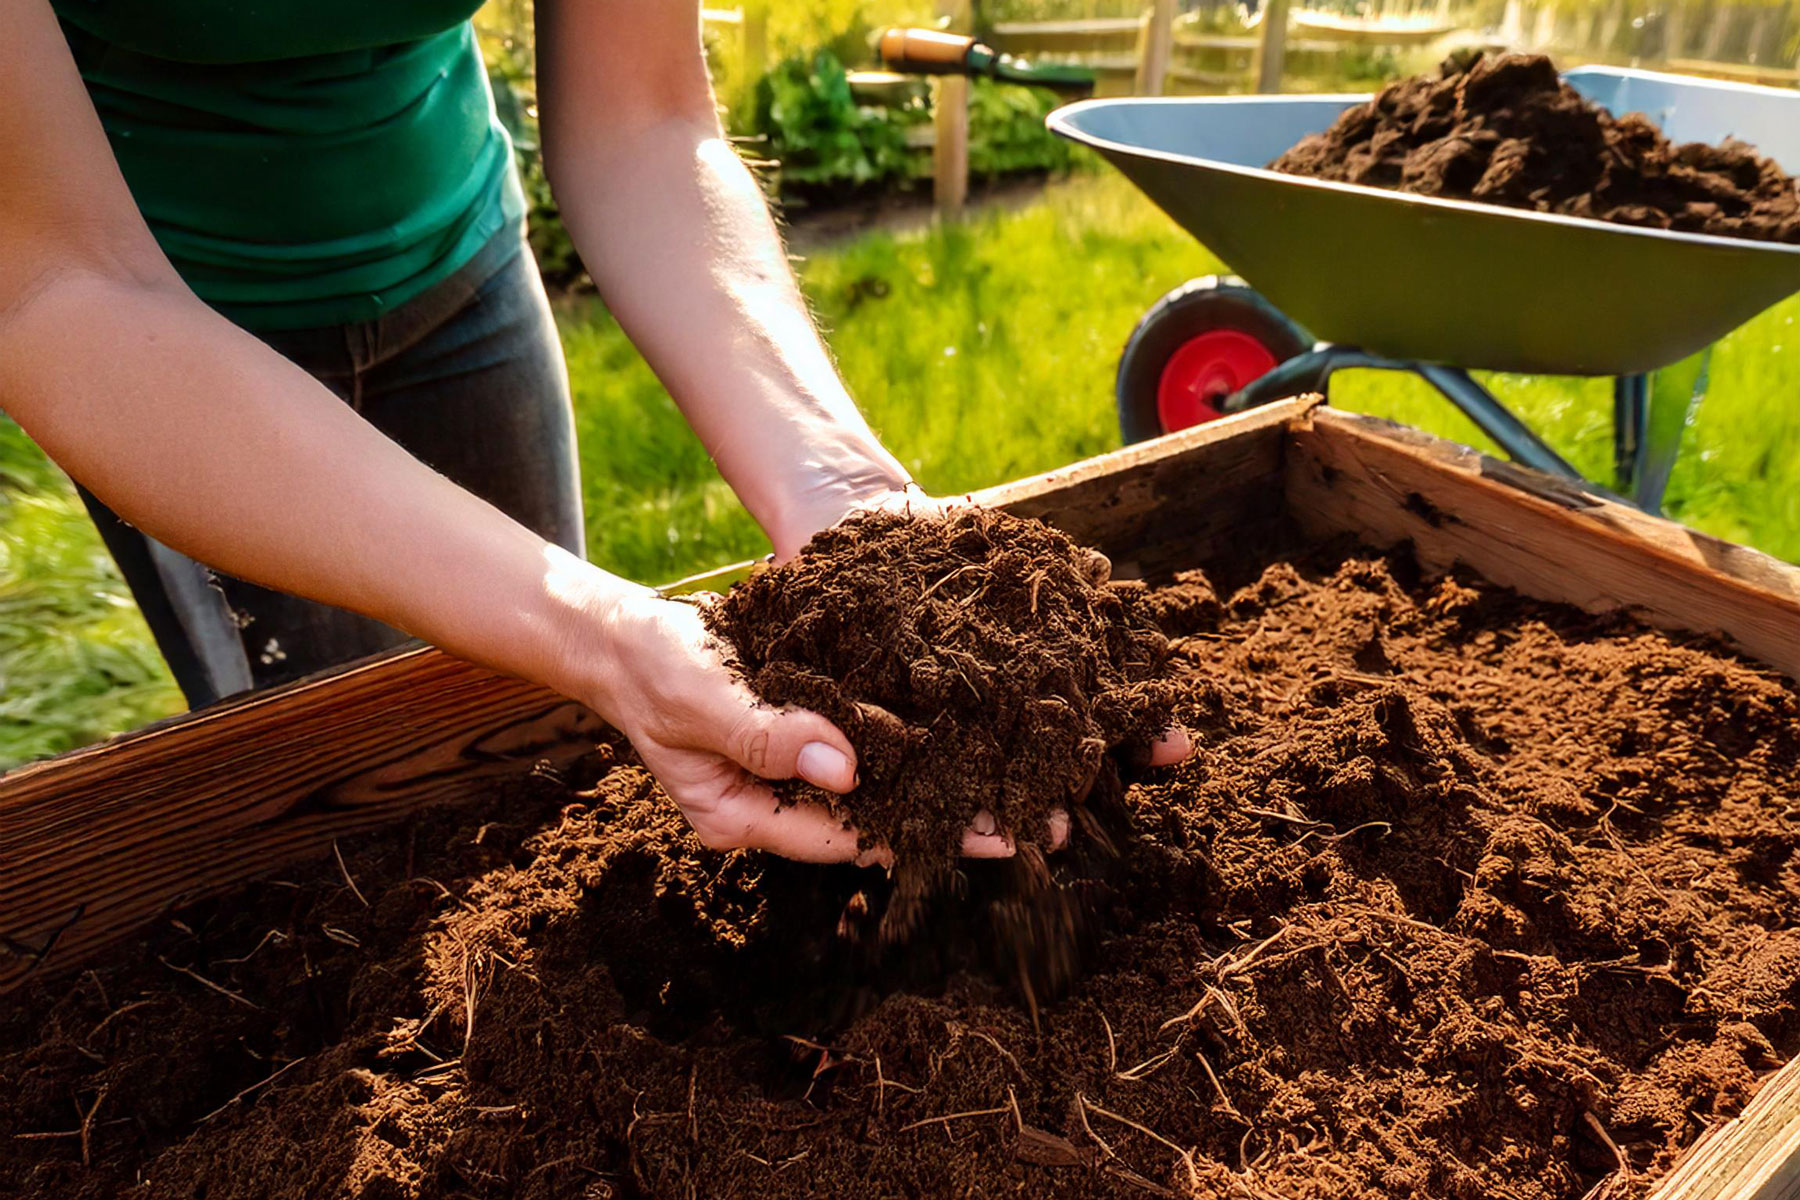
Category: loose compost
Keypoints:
(1505, 129)
(1461, 895)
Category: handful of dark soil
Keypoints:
(976, 662)
(1507, 130)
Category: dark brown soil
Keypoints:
(1458, 893)
(976, 662)
(1506, 130)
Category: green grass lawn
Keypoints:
(75, 659)
(981, 352)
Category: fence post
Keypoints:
(950, 156)
(1543, 33)
(1271, 46)
(1512, 25)
(1674, 31)
(1760, 28)
(1718, 28)
(1157, 44)
(1589, 38)
(755, 30)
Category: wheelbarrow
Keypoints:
(1341, 275)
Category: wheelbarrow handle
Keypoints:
(926, 51)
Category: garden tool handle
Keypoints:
(926, 51)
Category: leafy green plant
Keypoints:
(822, 137)
(1368, 64)
(76, 661)
(827, 142)
(1007, 132)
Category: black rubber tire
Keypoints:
(1196, 307)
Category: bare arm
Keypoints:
(214, 444)
(679, 239)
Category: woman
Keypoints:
(249, 252)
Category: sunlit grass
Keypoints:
(76, 662)
(981, 352)
(1738, 476)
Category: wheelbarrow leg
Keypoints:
(1650, 414)
(1631, 400)
(1497, 421)
(1311, 372)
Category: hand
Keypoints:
(712, 744)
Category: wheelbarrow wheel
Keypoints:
(1197, 345)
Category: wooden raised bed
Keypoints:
(99, 842)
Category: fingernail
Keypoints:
(1173, 746)
(825, 766)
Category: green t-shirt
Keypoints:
(302, 162)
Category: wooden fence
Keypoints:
(1745, 42)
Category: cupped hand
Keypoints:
(713, 745)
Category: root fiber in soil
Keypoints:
(1460, 896)
(1505, 129)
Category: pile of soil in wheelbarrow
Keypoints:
(976, 662)
(1505, 129)
(1460, 896)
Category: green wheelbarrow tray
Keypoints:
(1451, 281)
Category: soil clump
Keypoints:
(1461, 895)
(978, 663)
(1505, 129)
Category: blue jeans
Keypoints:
(470, 378)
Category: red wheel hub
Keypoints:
(1203, 372)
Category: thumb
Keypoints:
(782, 743)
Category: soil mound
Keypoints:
(976, 662)
(1506, 130)
(1460, 896)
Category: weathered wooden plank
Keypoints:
(1541, 536)
(1362, 31)
(1247, 43)
(100, 841)
(1118, 34)
(1755, 1156)
(1083, 27)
